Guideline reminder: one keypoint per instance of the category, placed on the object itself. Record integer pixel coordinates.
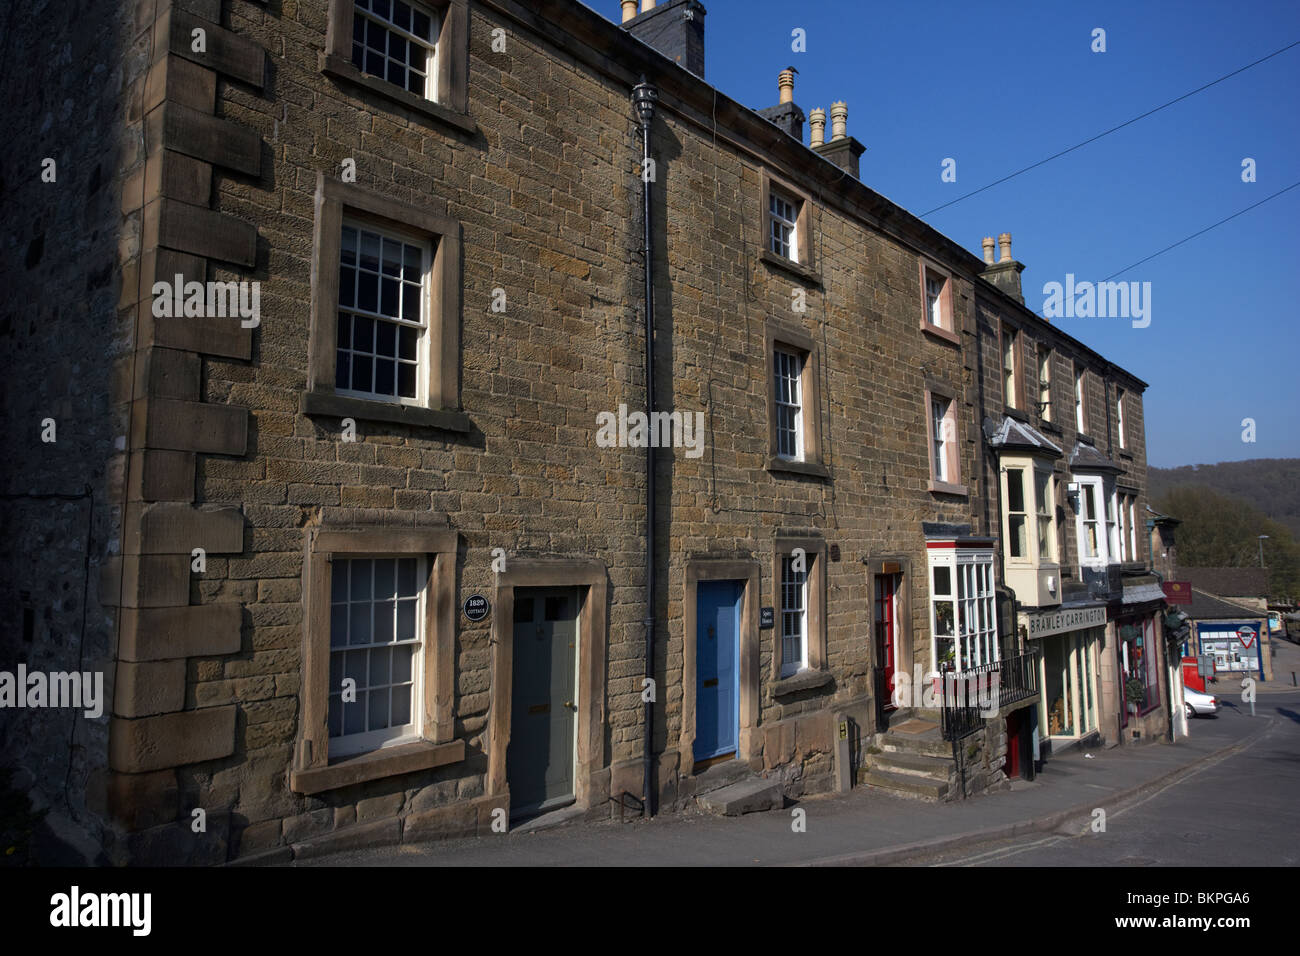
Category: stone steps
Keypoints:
(921, 765)
(930, 744)
(745, 796)
(907, 784)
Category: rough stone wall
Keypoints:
(64, 67)
(549, 204)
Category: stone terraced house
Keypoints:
(338, 311)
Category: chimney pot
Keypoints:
(785, 83)
(629, 10)
(1004, 246)
(647, 5)
(839, 120)
(817, 122)
(988, 249)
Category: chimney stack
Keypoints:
(1005, 273)
(817, 125)
(673, 27)
(785, 86)
(786, 114)
(839, 120)
(842, 150)
(1004, 244)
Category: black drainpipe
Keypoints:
(644, 97)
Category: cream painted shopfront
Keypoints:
(1069, 643)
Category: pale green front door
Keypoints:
(543, 715)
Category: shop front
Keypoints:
(1068, 642)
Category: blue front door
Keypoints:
(717, 677)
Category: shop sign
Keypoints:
(1066, 619)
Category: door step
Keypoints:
(745, 796)
(914, 764)
(548, 819)
(721, 775)
(907, 784)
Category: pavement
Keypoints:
(867, 827)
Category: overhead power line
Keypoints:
(1202, 231)
(1113, 129)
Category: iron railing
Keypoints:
(966, 697)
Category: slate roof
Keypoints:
(1207, 607)
(1013, 433)
(1227, 582)
(1087, 458)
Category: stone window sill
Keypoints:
(946, 488)
(811, 468)
(802, 681)
(344, 406)
(387, 762)
(939, 332)
(789, 265)
(339, 68)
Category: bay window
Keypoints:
(963, 614)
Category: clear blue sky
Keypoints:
(1000, 85)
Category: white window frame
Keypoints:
(1080, 418)
(1010, 344)
(1045, 508)
(798, 616)
(934, 298)
(1045, 383)
(1112, 525)
(430, 91)
(783, 229)
(788, 368)
(1123, 534)
(973, 600)
(345, 745)
(421, 397)
(1119, 416)
(1091, 489)
(940, 433)
(1132, 528)
(1025, 512)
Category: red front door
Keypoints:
(1013, 745)
(886, 628)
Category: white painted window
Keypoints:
(1079, 419)
(794, 614)
(1119, 415)
(1123, 536)
(1090, 524)
(382, 315)
(397, 42)
(934, 299)
(789, 405)
(963, 611)
(1017, 514)
(376, 642)
(1045, 382)
(784, 217)
(941, 434)
(1045, 503)
(1132, 529)
(1010, 393)
(1112, 526)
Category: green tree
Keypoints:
(1222, 531)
